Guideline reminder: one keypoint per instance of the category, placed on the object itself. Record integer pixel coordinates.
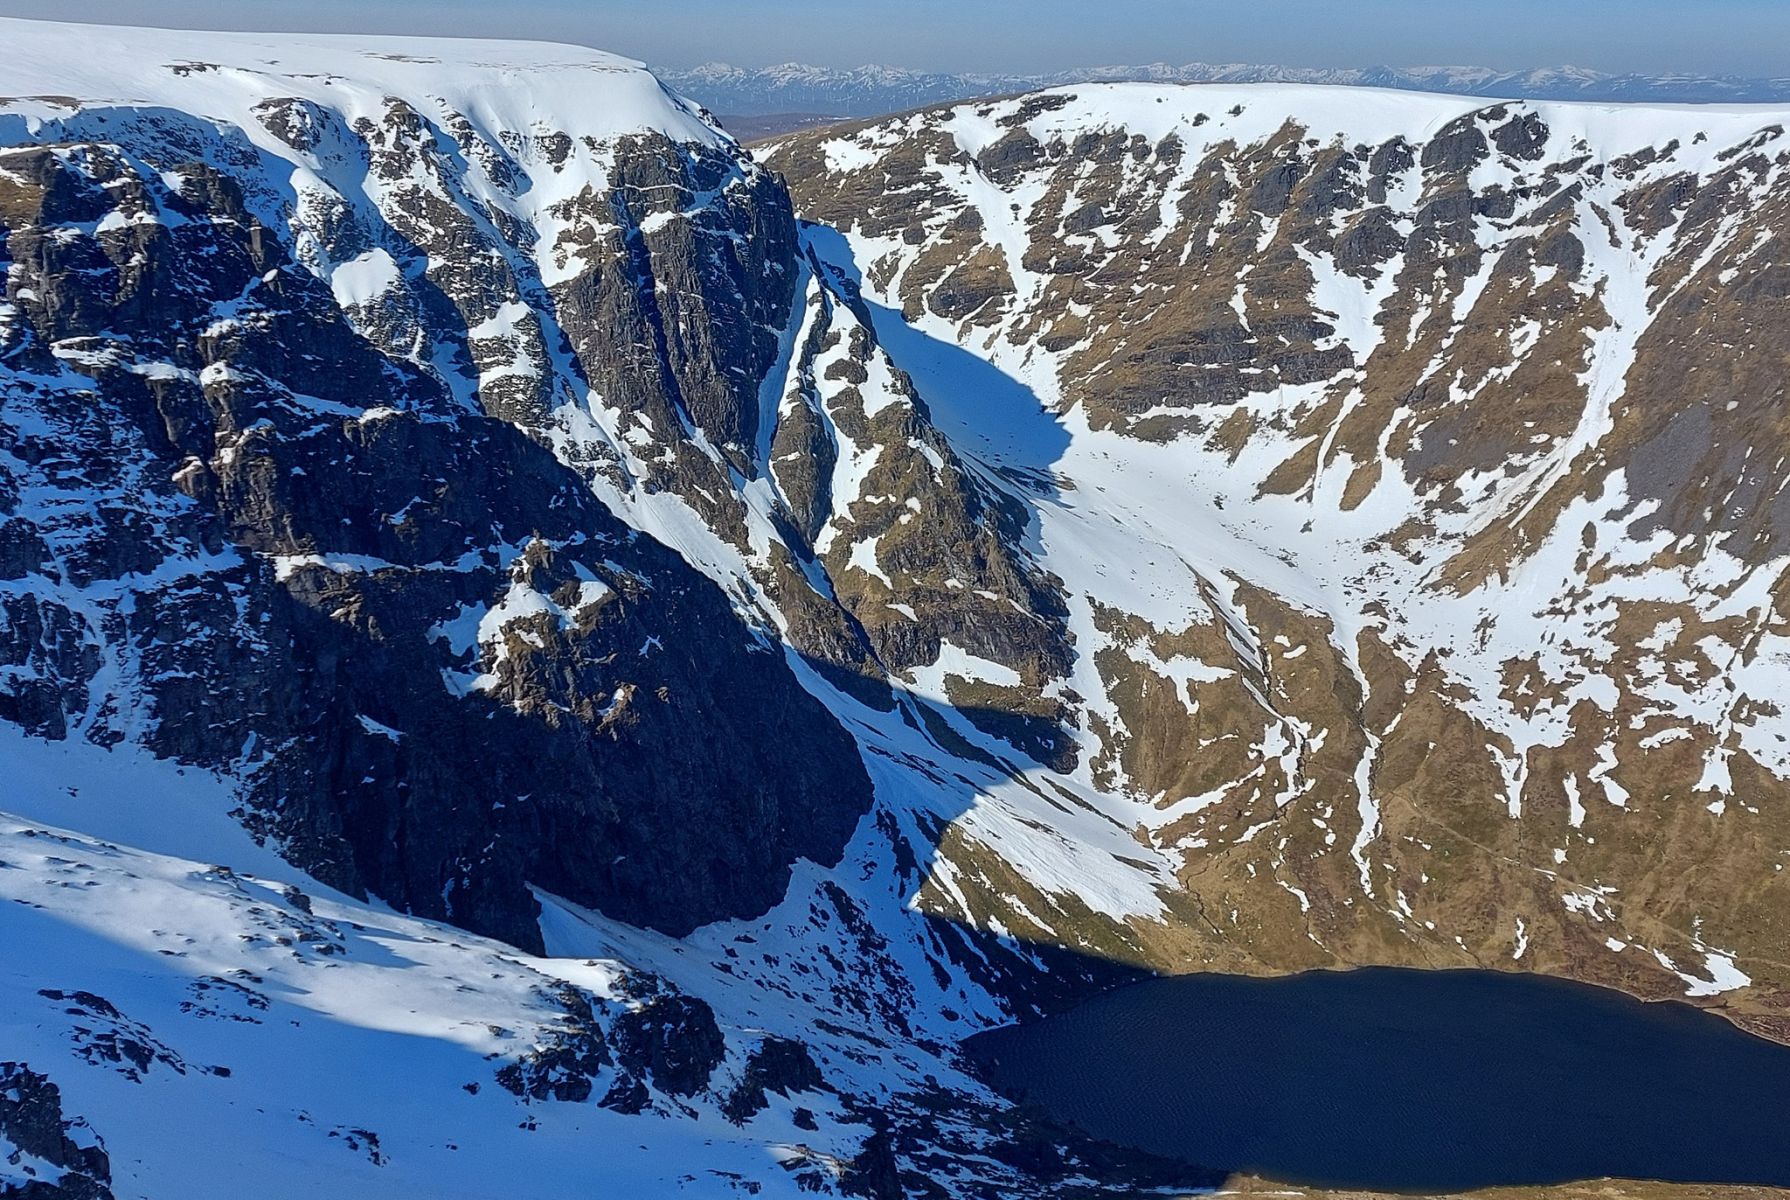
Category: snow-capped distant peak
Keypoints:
(875, 89)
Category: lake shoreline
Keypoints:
(1399, 1080)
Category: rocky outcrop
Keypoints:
(780, 1065)
(923, 548)
(671, 1041)
(676, 308)
(875, 1173)
(44, 1154)
(564, 1069)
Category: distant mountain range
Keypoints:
(872, 90)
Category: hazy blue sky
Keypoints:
(1750, 37)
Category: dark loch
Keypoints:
(1408, 1080)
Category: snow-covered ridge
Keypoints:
(517, 85)
(1206, 116)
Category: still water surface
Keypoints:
(1409, 1080)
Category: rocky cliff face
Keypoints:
(281, 500)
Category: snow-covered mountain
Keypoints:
(1412, 470)
(872, 90)
(344, 385)
(529, 642)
